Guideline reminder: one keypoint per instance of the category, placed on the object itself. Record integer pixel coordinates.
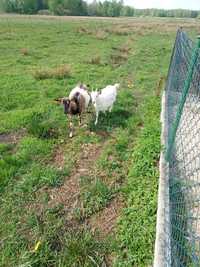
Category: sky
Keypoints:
(165, 4)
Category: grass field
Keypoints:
(90, 200)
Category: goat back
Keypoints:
(84, 93)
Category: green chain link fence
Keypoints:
(182, 115)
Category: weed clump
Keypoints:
(74, 245)
(84, 249)
(43, 125)
(97, 195)
(38, 176)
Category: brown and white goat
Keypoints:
(75, 104)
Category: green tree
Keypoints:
(92, 8)
(29, 6)
(42, 4)
(105, 8)
(9, 6)
(71, 7)
(76, 7)
(23, 6)
(57, 6)
(127, 11)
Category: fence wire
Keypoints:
(183, 152)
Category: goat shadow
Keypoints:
(110, 120)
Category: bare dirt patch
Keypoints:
(68, 194)
(59, 158)
(105, 220)
(12, 138)
(103, 134)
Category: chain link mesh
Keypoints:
(183, 150)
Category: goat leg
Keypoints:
(97, 116)
(70, 127)
(80, 122)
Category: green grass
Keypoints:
(95, 196)
(136, 235)
(96, 52)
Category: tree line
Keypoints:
(112, 8)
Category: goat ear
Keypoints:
(83, 86)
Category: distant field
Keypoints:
(90, 200)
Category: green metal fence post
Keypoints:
(186, 88)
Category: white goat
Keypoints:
(104, 99)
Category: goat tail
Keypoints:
(117, 86)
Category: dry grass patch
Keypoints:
(160, 86)
(83, 30)
(24, 51)
(120, 55)
(124, 48)
(96, 60)
(101, 35)
(60, 72)
(118, 31)
(98, 34)
(118, 59)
